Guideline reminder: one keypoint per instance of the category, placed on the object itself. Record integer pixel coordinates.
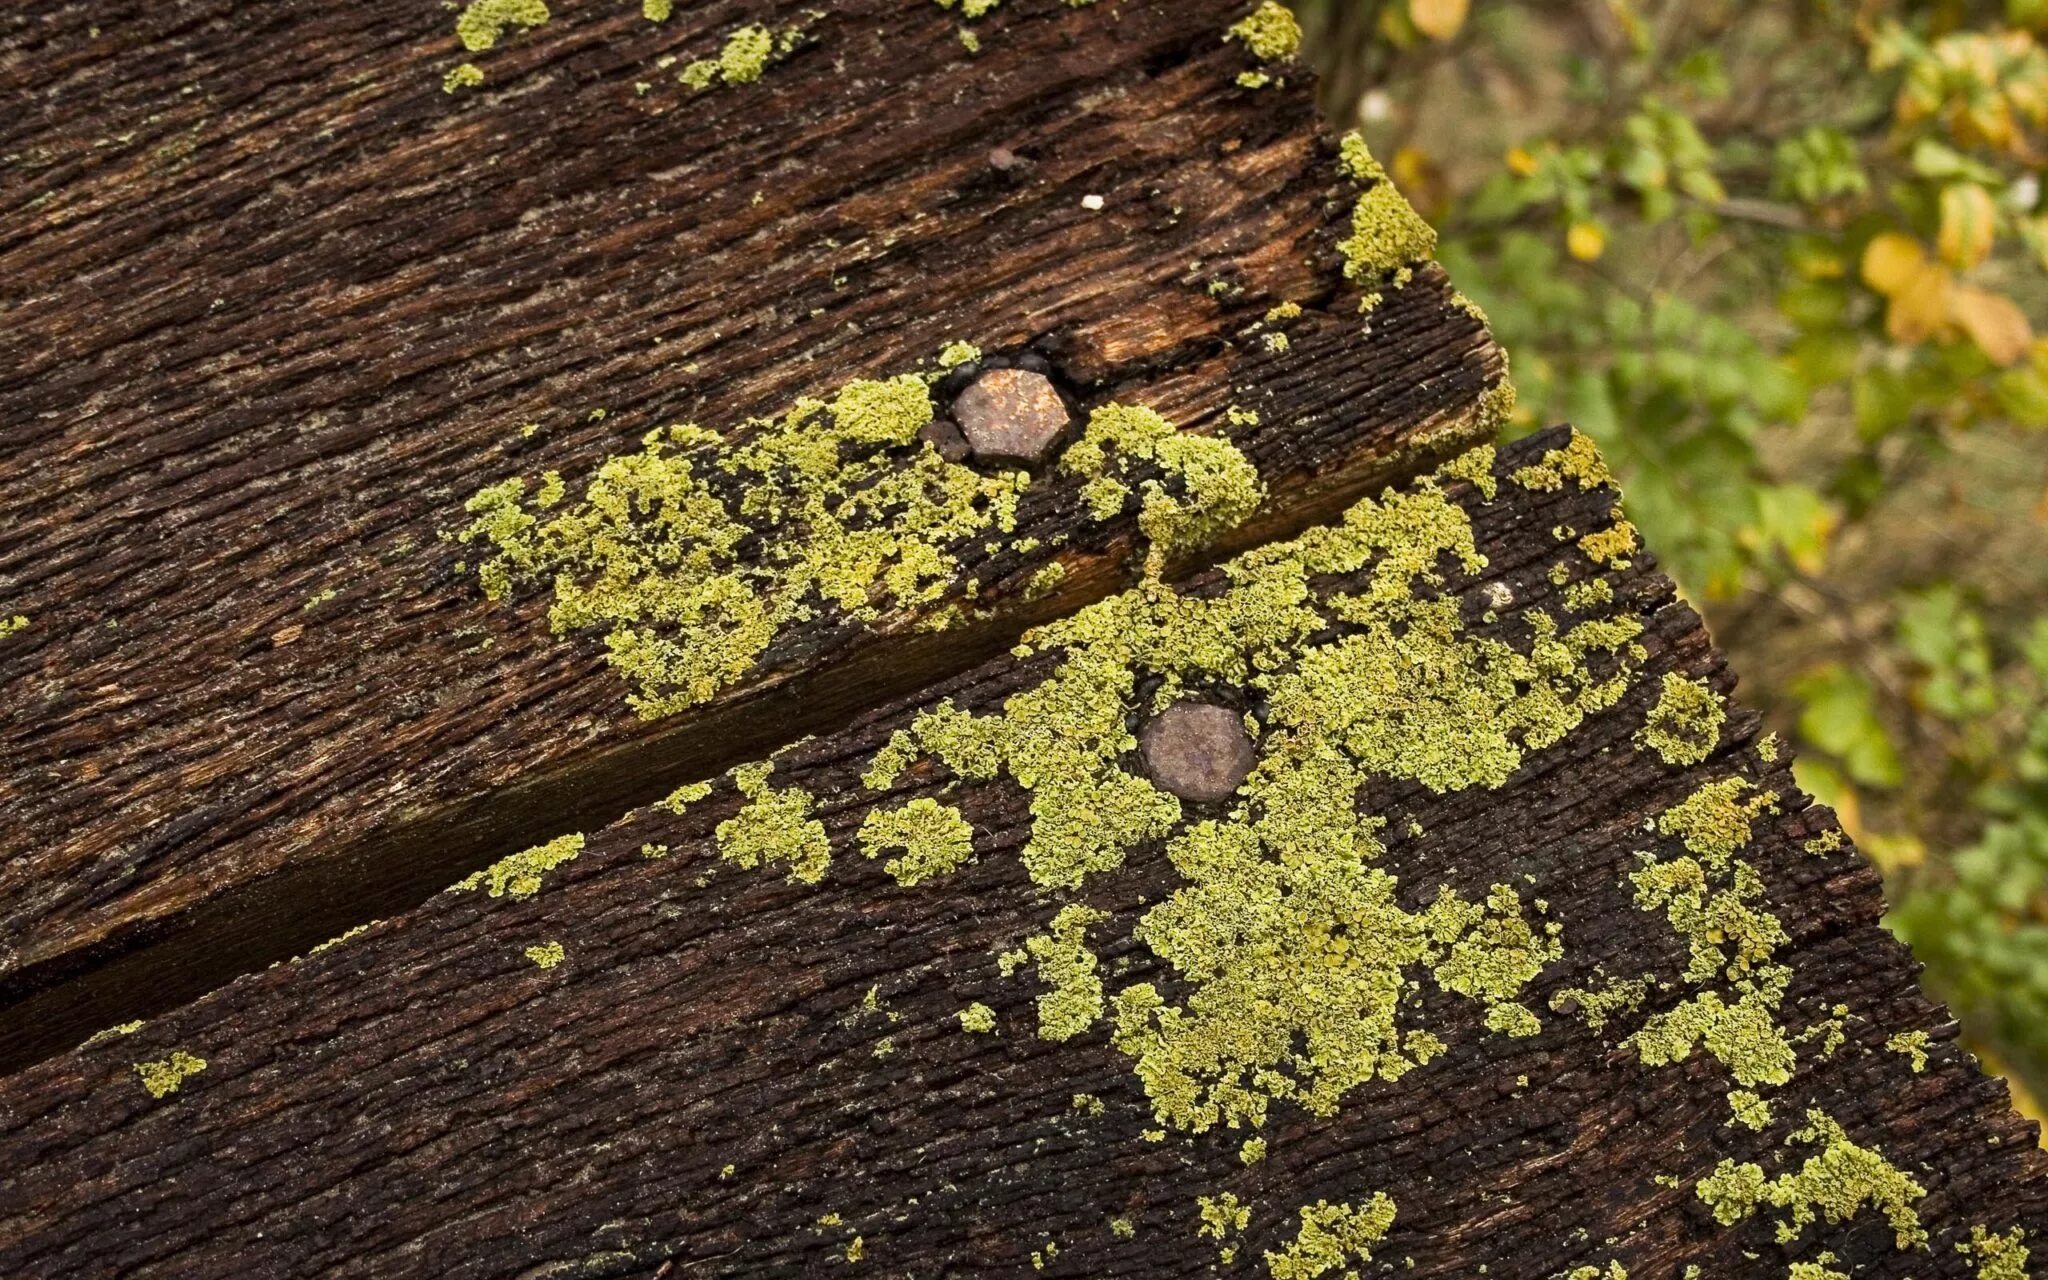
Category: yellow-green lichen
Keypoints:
(1711, 899)
(1475, 467)
(1838, 1183)
(106, 1035)
(1581, 596)
(684, 796)
(1718, 819)
(163, 1076)
(11, 625)
(1252, 1150)
(335, 941)
(657, 10)
(1578, 460)
(1386, 232)
(954, 354)
(1291, 949)
(1612, 1271)
(1073, 999)
(1222, 1217)
(465, 75)
(1332, 1237)
(1914, 1045)
(971, 9)
(1596, 1005)
(1749, 1110)
(1831, 1032)
(1827, 842)
(1045, 581)
(1269, 31)
(1998, 1257)
(978, 1018)
(1217, 486)
(482, 22)
(934, 839)
(775, 826)
(747, 54)
(547, 955)
(1611, 546)
(692, 555)
(519, 875)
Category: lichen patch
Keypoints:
(1332, 1237)
(482, 22)
(1293, 948)
(1387, 235)
(1837, 1182)
(164, 1076)
(520, 875)
(692, 555)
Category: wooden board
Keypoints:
(650, 1059)
(276, 306)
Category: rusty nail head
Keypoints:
(1198, 751)
(1011, 416)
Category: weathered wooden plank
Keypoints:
(278, 306)
(733, 1040)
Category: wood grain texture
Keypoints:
(703, 1087)
(276, 305)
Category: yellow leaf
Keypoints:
(1893, 852)
(1420, 180)
(1438, 19)
(1919, 309)
(1994, 322)
(1520, 162)
(1585, 241)
(1969, 225)
(1890, 261)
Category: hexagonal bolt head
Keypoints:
(1198, 751)
(1011, 417)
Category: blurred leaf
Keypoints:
(1969, 225)
(1794, 521)
(1996, 324)
(1826, 784)
(1946, 635)
(1891, 261)
(1893, 851)
(1839, 716)
(1920, 309)
(1438, 19)
(1818, 165)
(1942, 163)
(1585, 241)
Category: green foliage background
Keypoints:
(1780, 259)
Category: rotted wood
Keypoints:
(277, 304)
(657, 1063)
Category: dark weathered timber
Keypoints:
(423, 1100)
(275, 305)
